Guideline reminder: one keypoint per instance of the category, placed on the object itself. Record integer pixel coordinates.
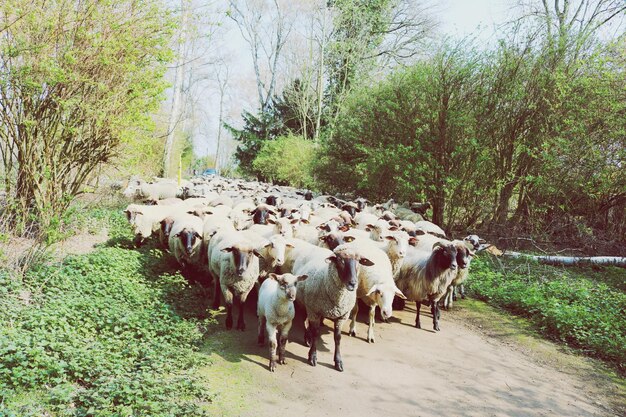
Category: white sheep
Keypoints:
(146, 220)
(425, 277)
(276, 312)
(328, 292)
(234, 267)
(429, 227)
(376, 285)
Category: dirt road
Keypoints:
(480, 364)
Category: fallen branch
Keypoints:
(619, 261)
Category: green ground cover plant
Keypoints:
(582, 307)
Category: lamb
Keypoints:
(185, 239)
(425, 277)
(234, 267)
(328, 292)
(276, 312)
(376, 286)
(378, 229)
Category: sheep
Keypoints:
(396, 247)
(376, 286)
(185, 239)
(272, 250)
(463, 259)
(261, 213)
(140, 190)
(222, 200)
(234, 267)
(425, 277)
(473, 242)
(361, 203)
(276, 311)
(145, 220)
(403, 213)
(378, 229)
(429, 227)
(420, 208)
(328, 292)
(165, 201)
(351, 208)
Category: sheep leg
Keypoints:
(462, 291)
(337, 334)
(282, 343)
(418, 305)
(434, 309)
(228, 300)
(313, 333)
(216, 294)
(241, 324)
(271, 335)
(307, 333)
(370, 329)
(353, 314)
(454, 294)
(262, 324)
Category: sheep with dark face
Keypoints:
(262, 213)
(234, 267)
(426, 275)
(361, 203)
(185, 239)
(276, 312)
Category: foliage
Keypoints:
(575, 306)
(287, 161)
(411, 137)
(76, 82)
(109, 333)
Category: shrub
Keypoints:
(286, 161)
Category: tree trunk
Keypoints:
(176, 94)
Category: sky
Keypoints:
(457, 18)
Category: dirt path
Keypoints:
(480, 364)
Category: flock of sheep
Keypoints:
(320, 251)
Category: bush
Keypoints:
(570, 305)
(100, 335)
(286, 161)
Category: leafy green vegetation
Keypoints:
(583, 308)
(111, 333)
(286, 160)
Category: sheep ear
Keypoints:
(344, 228)
(437, 245)
(256, 252)
(322, 238)
(270, 221)
(273, 276)
(399, 294)
(393, 228)
(253, 211)
(349, 239)
(373, 290)
(413, 241)
(294, 221)
(389, 237)
(331, 258)
(302, 277)
(366, 262)
(290, 245)
(419, 232)
(229, 249)
(370, 226)
(305, 221)
(482, 241)
(196, 234)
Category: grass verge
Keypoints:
(583, 308)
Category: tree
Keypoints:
(265, 29)
(77, 80)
